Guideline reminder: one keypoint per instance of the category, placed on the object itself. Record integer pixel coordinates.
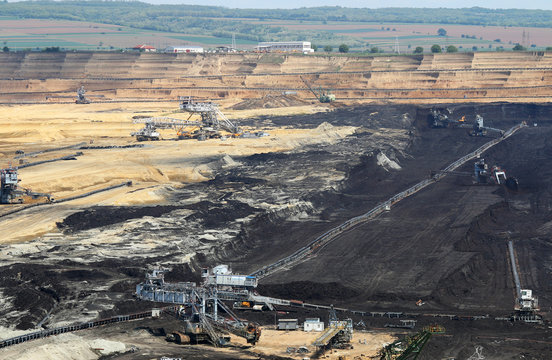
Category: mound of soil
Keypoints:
(270, 101)
(108, 215)
(209, 213)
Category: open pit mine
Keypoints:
(248, 206)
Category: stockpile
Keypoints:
(270, 101)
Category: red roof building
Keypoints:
(144, 48)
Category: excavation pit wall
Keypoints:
(39, 77)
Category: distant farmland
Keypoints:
(33, 34)
(409, 36)
(37, 34)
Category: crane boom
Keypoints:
(149, 132)
(163, 122)
(316, 95)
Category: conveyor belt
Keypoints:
(75, 327)
(327, 336)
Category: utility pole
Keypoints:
(397, 47)
(524, 39)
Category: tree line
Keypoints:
(135, 11)
(83, 10)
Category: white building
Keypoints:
(184, 49)
(313, 324)
(286, 46)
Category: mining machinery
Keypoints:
(410, 347)
(248, 330)
(11, 192)
(338, 334)
(496, 175)
(201, 305)
(149, 131)
(212, 119)
(81, 99)
(479, 128)
(322, 95)
(212, 122)
(526, 306)
(526, 302)
(201, 326)
(483, 174)
(441, 119)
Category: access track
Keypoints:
(107, 188)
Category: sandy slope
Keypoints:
(152, 169)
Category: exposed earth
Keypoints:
(231, 78)
(249, 202)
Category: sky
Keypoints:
(289, 4)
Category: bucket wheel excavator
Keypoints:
(210, 124)
(81, 98)
(212, 119)
(441, 118)
(12, 193)
(485, 174)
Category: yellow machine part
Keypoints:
(435, 329)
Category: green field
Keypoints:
(121, 24)
(34, 34)
(205, 40)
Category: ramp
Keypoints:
(325, 338)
